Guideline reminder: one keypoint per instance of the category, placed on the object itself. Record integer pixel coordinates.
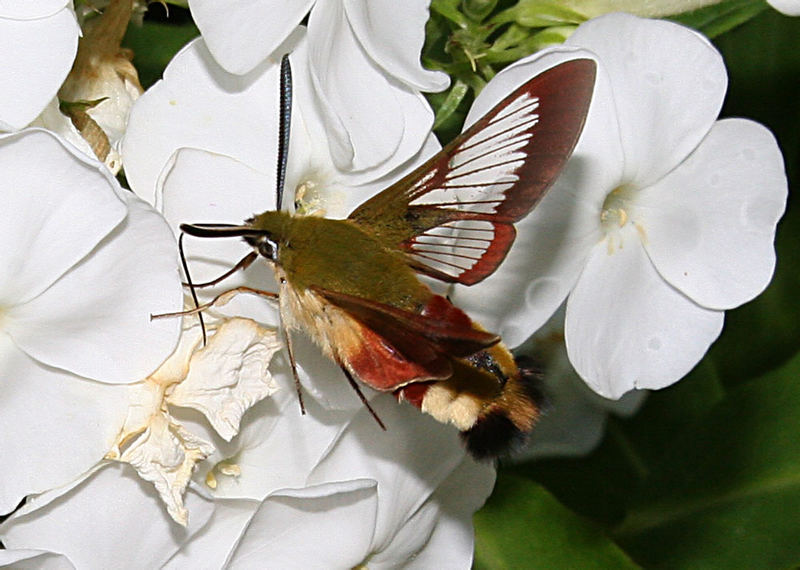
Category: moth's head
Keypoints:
(261, 240)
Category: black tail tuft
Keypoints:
(506, 423)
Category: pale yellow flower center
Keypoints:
(618, 213)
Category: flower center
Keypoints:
(224, 467)
(617, 215)
(614, 214)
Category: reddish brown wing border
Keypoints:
(563, 94)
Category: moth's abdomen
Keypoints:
(492, 399)
(507, 421)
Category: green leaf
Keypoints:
(538, 14)
(727, 493)
(719, 18)
(523, 522)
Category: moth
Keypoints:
(352, 285)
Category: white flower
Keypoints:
(662, 220)
(788, 7)
(85, 263)
(369, 497)
(33, 69)
(361, 54)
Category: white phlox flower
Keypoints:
(75, 308)
(33, 70)
(663, 218)
(361, 55)
(377, 499)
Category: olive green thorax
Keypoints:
(340, 256)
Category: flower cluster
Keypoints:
(663, 219)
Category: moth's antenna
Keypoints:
(191, 287)
(285, 123)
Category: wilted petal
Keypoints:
(108, 335)
(229, 375)
(33, 69)
(165, 454)
(45, 443)
(323, 526)
(553, 241)
(392, 34)
(665, 102)
(244, 33)
(340, 72)
(46, 225)
(711, 222)
(108, 520)
(627, 328)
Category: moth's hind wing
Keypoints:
(396, 347)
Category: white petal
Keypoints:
(668, 83)
(324, 526)
(710, 223)
(109, 520)
(393, 34)
(553, 241)
(212, 546)
(399, 459)
(277, 446)
(626, 328)
(573, 423)
(165, 454)
(33, 69)
(243, 33)
(355, 98)
(229, 375)
(16, 10)
(55, 426)
(107, 334)
(39, 559)
(52, 215)
(196, 189)
(448, 516)
(788, 7)
(199, 105)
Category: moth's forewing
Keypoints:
(453, 214)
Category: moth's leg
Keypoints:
(243, 264)
(286, 327)
(290, 350)
(219, 301)
(355, 386)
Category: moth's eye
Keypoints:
(267, 247)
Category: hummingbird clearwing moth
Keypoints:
(352, 285)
